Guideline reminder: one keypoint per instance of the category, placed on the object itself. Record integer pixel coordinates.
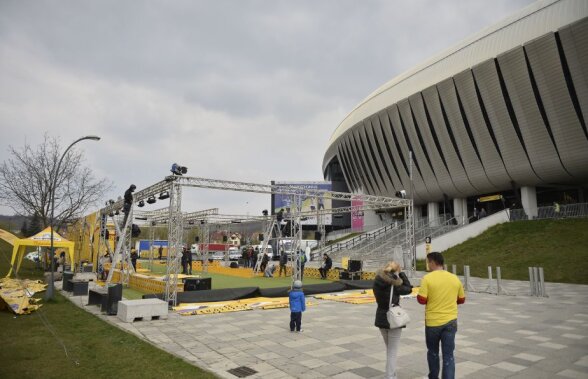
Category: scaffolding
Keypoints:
(172, 185)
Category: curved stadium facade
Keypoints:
(503, 113)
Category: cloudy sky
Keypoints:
(237, 90)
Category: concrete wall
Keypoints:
(462, 234)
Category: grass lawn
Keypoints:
(559, 246)
(33, 345)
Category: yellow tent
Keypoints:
(43, 239)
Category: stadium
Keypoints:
(500, 116)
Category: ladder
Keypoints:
(266, 238)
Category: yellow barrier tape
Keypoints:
(234, 305)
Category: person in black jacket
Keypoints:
(386, 278)
(327, 264)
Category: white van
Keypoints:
(234, 253)
(269, 250)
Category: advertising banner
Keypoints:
(356, 216)
(307, 204)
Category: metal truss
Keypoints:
(154, 190)
(173, 215)
(190, 181)
(174, 252)
(122, 252)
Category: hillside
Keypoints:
(559, 246)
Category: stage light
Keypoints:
(176, 169)
(111, 214)
(401, 194)
(191, 222)
(153, 223)
(264, 212)
(151, 200)
(141, 204)
(164, 195)
(116, 212)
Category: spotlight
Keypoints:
(176, 169)
(191, 222)
(111, 214)
(164, 195)
(116, 212)
(264, 212)
(141, 204)
(401, 194)
(110, 201)
(151, 200)
(141, 218)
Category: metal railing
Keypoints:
(551, 212)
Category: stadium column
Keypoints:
(433, 213)
(529, 200)
(460, 210)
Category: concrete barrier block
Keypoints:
(142, 309)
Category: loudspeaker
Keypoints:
(114, 296)
(66, 285)
(225, 238)
(197, 284)
(234, 265)
(197, 239)
(260, 237)
(317, 236)
(354, 266)
(344, 275)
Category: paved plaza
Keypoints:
(498, 337)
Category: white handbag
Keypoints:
(397, 316)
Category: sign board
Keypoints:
(489, 198)
(307, 204)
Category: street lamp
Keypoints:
(50, 288)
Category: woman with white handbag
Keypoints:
(389, 284)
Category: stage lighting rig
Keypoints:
(176, 169)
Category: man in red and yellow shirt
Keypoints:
(440, 291)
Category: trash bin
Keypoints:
(66, 284)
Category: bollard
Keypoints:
(454, 269)
(490, 288)
(467, 280)
(445, 267)
(536, 281)
(499, 289)
(542, 283)
(531, 281)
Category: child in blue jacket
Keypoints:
(297, 306)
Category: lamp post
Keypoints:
(50, 288)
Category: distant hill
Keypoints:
(12, 223)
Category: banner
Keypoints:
(357, 216)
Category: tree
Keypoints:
(24, 229)
(27, 177)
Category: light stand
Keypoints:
(51, 288)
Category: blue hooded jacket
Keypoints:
(297, 301)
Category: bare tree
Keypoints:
(27, 177)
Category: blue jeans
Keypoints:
(446, 335)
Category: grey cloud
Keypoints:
(241, 90)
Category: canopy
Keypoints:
(43, 239)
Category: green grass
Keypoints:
(32, 345)
(559, 246)
(226, 281)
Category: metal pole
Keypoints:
(51, 287)
(542, 282)
(531, 281)
(536, 281)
